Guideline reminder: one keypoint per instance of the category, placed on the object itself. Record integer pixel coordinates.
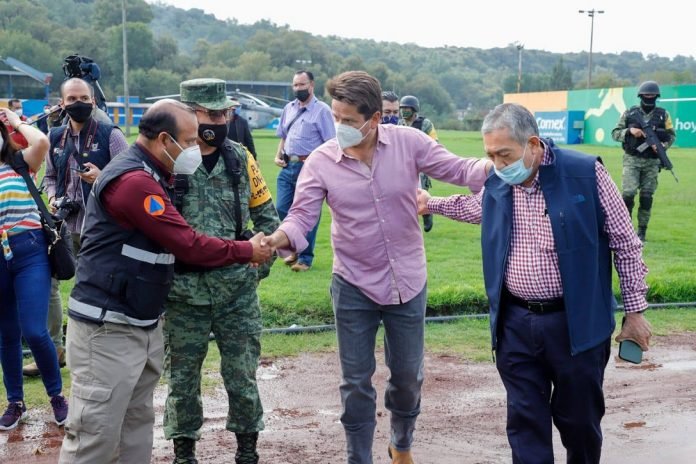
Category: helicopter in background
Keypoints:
(258, 110)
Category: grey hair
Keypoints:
(517, 119)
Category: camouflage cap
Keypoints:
(234, 102)
(208, 93)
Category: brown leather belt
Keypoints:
(536, 306)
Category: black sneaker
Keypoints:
(14, 413)
(60, 409)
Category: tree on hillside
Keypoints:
(141, 48)
(253, 66)
(108, 13)
(561, 77)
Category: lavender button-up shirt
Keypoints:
(376, 236)
(312, 128)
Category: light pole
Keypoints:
(520, 47)
(126, 96)
(591, 13)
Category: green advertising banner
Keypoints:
(603, 108)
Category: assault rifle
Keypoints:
(652, 140)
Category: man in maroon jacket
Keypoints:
(132, 235)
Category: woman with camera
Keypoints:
(24, 275)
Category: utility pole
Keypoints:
(591, 13)
(520, 47)
(125, 69)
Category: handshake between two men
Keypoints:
(264, 246)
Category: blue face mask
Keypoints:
(517, 172)
(393, 119)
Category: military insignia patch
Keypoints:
(208, 135)
(154, 205)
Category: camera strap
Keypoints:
(233, 167)
(80, 152)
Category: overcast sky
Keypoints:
(651, 27)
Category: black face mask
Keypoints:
(79, 111)
(302, 95)
(648, 103)
(213, 135)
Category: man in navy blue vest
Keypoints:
(80, 149)
(551, 220)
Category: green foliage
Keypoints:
(153, 82)
(108, 13)
(561, 77)
(192, 43)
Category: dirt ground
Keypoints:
(651, 414)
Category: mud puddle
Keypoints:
(651, 414)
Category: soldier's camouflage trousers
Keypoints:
(237, 329)
(640, 176)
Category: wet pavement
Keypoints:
(651, 414)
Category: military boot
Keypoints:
(400, 457)
(641, 233)
(246, 448)
(185, 451)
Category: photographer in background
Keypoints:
(79, 150)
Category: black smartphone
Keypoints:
(630, 351)
(81, 170)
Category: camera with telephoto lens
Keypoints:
(65, 207)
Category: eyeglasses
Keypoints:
(215, 114)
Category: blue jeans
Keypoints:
(25, 283)
(357, 321)
(287, 180)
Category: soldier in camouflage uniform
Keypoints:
(222, 301)
(409, 108)
(641, 167)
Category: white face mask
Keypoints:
(19, 112)
(188, 160)
(349, 136)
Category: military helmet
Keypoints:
(411, 102)
(208, 93)
(649, 88)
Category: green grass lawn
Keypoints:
(455, 281)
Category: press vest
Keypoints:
(122, 276)
(634, 118)
(569, 186)
(98, 153)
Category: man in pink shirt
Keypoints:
(368, 176)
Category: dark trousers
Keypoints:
(544, 383)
